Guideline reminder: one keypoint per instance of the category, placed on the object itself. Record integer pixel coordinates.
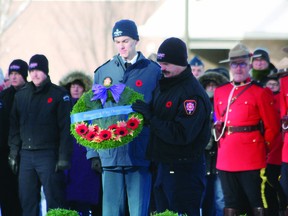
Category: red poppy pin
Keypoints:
(139, 83)
(168, 104)
(49, 100)
(190, 106)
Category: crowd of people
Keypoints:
(214, 142)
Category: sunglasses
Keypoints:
(241, 64)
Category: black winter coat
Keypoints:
(180, 128)
(40, 119)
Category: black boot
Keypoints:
(286, 212)
(258, 211)
(281, 213)
(231, 212)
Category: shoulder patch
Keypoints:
(66, 98)
(190, 106)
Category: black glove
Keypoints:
(13, 163)
(62, 165)
(96, 164)
(143, 108)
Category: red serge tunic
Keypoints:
(274, 156)
(284, 111)
(242, 151)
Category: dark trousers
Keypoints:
(274, 194)
(9, 199)
(37, 168)
(182, 190)
(237, 185)
(284, 179)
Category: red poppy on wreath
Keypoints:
(90, 135)
(81, 129)
(105, 134)
(133, 123)
(113, 127)
(49, 100)
(121, 131)
(139, 83)
(168, 104)
(94, 128)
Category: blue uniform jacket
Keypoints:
(142, 77)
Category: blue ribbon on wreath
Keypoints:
(101, 92)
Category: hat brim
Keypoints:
(280, 73)
(229, 60)
(285, 49)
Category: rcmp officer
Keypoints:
(240, 106)
(283, 71)
(180, 130)
(39, 139)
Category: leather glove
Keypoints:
(13, 163)
(62, 165)
(96, 164)
(143, 108)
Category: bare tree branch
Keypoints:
(6, 20)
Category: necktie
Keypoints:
(127, 64)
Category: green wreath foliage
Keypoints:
(166, 213)
(61, 212)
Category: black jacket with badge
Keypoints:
(40, 119)
(180, 126)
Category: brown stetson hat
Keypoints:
(282, 68)
(239, 51)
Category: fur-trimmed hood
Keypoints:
(211, 76)
(76, 75)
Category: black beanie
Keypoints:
(39, 62)
(125, 28)
(261, 53)
(19, 66)
(173, 51)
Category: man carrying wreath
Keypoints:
(125, 171)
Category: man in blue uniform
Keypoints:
(39, 139)
(180, 130)
(125, 169)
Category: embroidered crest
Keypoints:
(190, 106)
(161, 55)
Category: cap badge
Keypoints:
(117, 33)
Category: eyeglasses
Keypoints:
(272, 84)
(241, 64)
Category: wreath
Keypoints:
(103, 118)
